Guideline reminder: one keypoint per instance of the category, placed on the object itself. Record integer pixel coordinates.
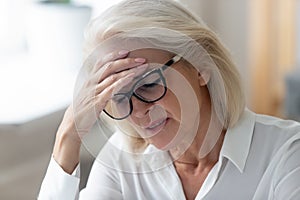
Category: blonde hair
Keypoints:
(134, 14)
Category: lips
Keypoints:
(154, 127)
(156, 124)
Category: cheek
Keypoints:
(185, 92)
(168, 106)
(171, 104)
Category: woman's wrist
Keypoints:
(66, 150)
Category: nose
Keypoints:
(140, 109)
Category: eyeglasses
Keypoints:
(150, 88)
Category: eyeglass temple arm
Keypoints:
(171, 61)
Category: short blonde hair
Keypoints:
(134, 14)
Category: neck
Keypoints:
(205, 149)
(191, 158)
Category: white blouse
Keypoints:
(259, 160)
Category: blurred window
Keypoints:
(29, 87)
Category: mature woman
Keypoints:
(157, 74)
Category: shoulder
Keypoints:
(276, 144)
(281, 139)
(273, 138)
(283, 124)
(276, 130)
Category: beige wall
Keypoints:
(264, 39)
(229, 19)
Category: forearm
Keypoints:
(66, 150)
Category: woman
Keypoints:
(168, 85)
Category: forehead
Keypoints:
(161, 57)
(152, 55)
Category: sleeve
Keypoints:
(288, 174)
(58, 184)
(103, 181)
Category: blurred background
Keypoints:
(40, 56)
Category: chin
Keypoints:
(164, 138)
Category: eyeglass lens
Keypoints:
(148, 89)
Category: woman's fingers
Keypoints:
(118, 66)
(102, 98)
(109, 58)
(109, 81)
(110, 75)
(113, 63)
(99, 94)
(114, 83)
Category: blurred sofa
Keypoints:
(292, 100)
(25, 151)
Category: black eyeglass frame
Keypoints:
(131, 93)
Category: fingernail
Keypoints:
(123, 52)
(140, 60)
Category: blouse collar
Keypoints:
(237, 141)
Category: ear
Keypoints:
(204, 77)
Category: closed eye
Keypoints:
(119, 99)
(150, 85)
(153, 84)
